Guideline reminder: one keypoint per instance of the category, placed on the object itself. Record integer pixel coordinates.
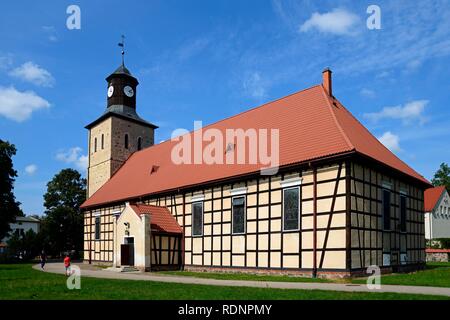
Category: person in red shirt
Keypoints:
(67, 264)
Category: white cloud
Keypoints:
(390, 141)
(33, 73)
(255, 86)
(192, 48)
(19, 105)
(407, 113)
(338, 21)
(31, 169)
(51, 33)
(5, 62)
(74, 157)
(367, 93)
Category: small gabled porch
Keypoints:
(147, 238)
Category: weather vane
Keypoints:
(122, 44)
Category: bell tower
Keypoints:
(119, 131)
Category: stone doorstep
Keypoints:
(124, 269)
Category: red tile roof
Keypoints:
(311, 126)
(432, 196)
(161, 220)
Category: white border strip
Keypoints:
(198, 197)
(386, 185)
(238, 191)
(292, 182)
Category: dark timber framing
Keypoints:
(359, 187)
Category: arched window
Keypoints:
(139, 143)
(95, 145)
(126, 141)
(103, 141)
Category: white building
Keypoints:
(20, 227)
(437, 213)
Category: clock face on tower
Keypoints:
(110, 91)
(128, 91)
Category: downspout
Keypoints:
(314, 272)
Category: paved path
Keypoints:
(92, 271)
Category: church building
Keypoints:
(338, 202)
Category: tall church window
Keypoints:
(139, 143)
(386, 209)
(97, 228)
(238, 215)
(103, 141)
(126, 141)
(197, 219)
(95, 145)
(291, 201)
(402, 213)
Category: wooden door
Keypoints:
(125, 255)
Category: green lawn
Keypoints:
(245, 276)
(23, 282)
(437, 274)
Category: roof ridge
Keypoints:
(336, 121)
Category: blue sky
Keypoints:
(207, 60)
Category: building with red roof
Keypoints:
(437, 213)
(297, 185)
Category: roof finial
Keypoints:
(122, 44)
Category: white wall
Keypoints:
(440, 219)
(25, 225)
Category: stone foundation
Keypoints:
(308, 273)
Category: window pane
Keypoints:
(97, 228)
(386, 209)
(291, 209)
(197, 216)
(239, 215)
(402, 213)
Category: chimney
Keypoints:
(326, 81)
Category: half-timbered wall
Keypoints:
(100, 250)
(166, 250)
(264, 244)
(370, 243)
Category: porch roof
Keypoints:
(161, 220)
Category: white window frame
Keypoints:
(299, 205)
(245, 215)
(192, 220)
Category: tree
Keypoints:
(26, 247)
(62, 225)
(442, 177)
(9, 207)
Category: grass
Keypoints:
(243, 276)
(23, 282)
(437, 274)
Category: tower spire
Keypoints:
(122, 44)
